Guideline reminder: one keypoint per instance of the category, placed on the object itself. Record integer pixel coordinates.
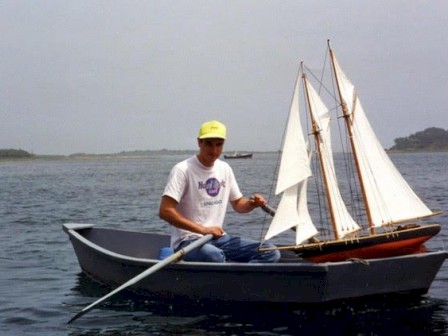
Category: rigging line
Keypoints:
(323, 72)
(343, 217)
(356, 210)
(322, 203)
(322, 86)
(328, 165)
(352, 181)
(320, 136)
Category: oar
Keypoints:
(171, 259)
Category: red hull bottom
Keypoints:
(403, 241)
(382, 250)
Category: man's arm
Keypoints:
(244, 205)
(168, 212)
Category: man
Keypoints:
(195, 201)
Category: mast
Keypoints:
(316, 134)
(348, 122)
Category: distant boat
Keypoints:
(237, 155)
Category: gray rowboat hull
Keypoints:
(114, 256)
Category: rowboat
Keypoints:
(113, 256)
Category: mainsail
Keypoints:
(388, 197)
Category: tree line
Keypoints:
(432, 138)
(14, 153)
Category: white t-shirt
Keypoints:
(202, 193)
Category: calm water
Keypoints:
(41, 286)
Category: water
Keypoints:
(41, 286)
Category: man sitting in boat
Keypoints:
(195, 201)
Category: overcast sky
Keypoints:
(109, 76)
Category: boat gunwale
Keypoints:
(230, 266)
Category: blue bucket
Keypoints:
(165, 252)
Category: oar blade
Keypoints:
(81, 313)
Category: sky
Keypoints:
(105, 76)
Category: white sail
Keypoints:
(294, 170)
(389, 197)
(305, 228)
(292, 212)
(294, 164)
(342, 220)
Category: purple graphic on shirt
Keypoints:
(211, 186)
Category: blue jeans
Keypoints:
(229, 248)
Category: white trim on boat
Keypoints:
(87, 242)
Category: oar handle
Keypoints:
(268, 209)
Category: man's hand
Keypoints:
(216, 231)
(244, 204)
(257, 200)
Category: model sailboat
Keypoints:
(388, 199)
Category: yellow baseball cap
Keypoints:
(212, 129)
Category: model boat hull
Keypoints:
(400, 242)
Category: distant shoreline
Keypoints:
(120, 155)
(430, 140)
(393, 151)
(149, 154)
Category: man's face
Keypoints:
(210, 150)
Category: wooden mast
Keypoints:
(316, 133)
(348, 122)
